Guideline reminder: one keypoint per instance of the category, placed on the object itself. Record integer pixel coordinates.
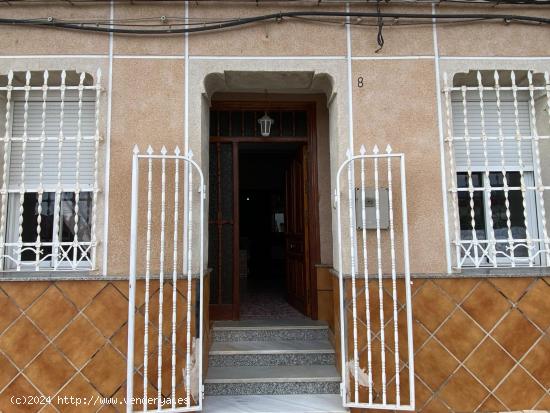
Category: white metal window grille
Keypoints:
(167, 261)
(375, 298)
(50, 171)
(496, 171)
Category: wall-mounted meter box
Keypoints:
(370, 208)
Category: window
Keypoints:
(496, 169)
(51, 180)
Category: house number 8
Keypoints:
(360, 81)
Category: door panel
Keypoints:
(295, 237)
(222, 230)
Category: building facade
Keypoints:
(402, 147)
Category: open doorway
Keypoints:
(263, 225)
(272, 263)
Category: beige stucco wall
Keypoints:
(146, 111)
(493, 39)
(397, 105)
(288, 38)
(410, 127)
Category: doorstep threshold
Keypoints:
(295, 403)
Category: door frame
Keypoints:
(311, 231)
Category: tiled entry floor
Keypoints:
(303, 403)
(267, 304)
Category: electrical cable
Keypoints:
(205, 27)
(257, 2)
(379, 36)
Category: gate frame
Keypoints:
(133, 273)
(337, 198)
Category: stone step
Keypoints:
(271, 353)
(298, 403)
(312, 379)
(269, 330)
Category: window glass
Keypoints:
(465, 210)
(30, 226)
(500, 218)
(66, 225)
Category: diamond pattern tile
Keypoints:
(435, 406)
(108, 311)
(120, 339)
(399, 288)
(24, 293)
(181, 308)
(79, 296)
(77, 387)
(20, 387)
(544, 403)
(80, 341)
(48, 409)
(434, 364)
(489, 363)
(459, 340)
(431, 306)
(516, 334)
(22, 342)
(462, 392)
(512, 288)
(420, 335)
(51, 312)
(422, 393)
(537, 361)
(96, 340)
(7, 371)
(416, 284)
(108, 409)
(50, 371)
(9, 312)
(486, 305)
(519, 390)
(491, 404)
(122, 287)
(457, 288)
(536, 304)
(138, 392)
(106, 370)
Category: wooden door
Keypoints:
(297, 264)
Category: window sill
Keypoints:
(466, 273)
(504, 272)
(84, 275)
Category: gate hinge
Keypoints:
(342, 390)
(202, 392)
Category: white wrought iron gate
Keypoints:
(165, 317)
(375, 298)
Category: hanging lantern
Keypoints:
(265, 124)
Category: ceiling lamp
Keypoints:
(265, 124)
